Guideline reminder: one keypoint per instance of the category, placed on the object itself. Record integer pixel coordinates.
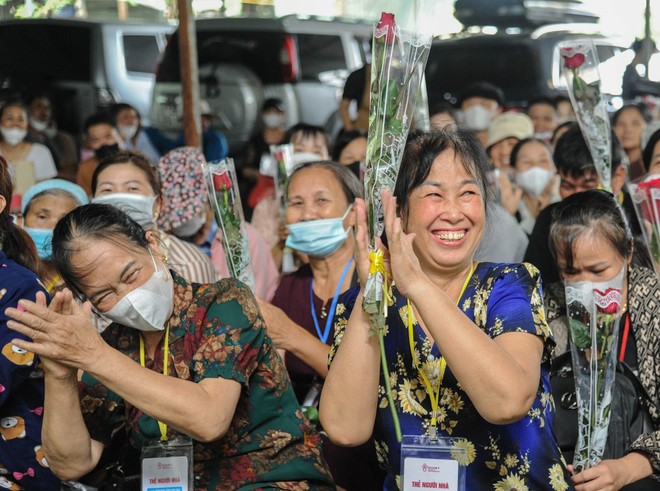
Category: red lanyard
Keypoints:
(624, 339)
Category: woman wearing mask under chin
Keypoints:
(180, 360)
(535, 174)
(320, 218)
(29, 163)
(43, 205)
(128, 181)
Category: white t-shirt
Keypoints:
(44, 165)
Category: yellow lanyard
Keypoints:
(51, 286)
(433, 396)
(166, 352)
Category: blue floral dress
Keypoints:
(521, 456)
(22, 461)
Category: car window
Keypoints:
(259, 51)
(39, 53)
(140, 52)
(318, 54)
(451, 68)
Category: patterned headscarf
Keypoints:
(183, 188)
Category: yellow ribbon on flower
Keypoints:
(377, 266)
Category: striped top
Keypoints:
(188, 260)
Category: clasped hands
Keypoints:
(62, 333)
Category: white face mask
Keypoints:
(13, 136)
(300, 158)
(273, 120)
(140, 208)
(127, 131)
(478, 117)
(534, 180)
(546, 136)
(191, 227)
(148, 307)
(38, 125)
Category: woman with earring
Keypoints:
(127, 180)
(179, 360)
(591, 240)
(320, 217)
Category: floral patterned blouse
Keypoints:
(216, 331)
(521, 456)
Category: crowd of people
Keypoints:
(120, 324)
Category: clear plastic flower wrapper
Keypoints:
(282, 168)
(645, 193)
(397, 69)
(220, 177)
(594, 312)
(579, 66)
(282, 162)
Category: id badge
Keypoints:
(168, 465)
(432, 463)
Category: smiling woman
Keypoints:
(179, 360)
(466, 343)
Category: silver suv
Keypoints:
(85, 65)
(242, 61)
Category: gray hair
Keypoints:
(349, 182)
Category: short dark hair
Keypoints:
(98, 119)
(342, 141)
(640, 107)
(349, 182)
(136, 159)
(82, 228)
(516, 149)
(572, 155)
(485, 90)
(307, 131)
(547, 101)
(590, 212)
(12, 103)
(273, 103)
(119, 107)
(647, 154)
(421, 151)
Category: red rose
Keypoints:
(608, 302)
(221, 182)
(651, 204)
(574, 61)
(387, 22)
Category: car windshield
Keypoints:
(259, 51)
(39, 53)
(452, 68)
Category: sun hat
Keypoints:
(76, 192)
(509, 125)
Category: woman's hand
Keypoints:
(362, 262)
(406, 270)
(280, 328)
(63, 334)
(612, 475)
(510, 194)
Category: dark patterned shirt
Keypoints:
(22, 462)
(217, 331)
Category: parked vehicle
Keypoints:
(84, 65)
(242, 61)
(517, 50)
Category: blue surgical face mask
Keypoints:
(43, 239)
(318, 238)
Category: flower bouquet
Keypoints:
(283, 166)
(282, 157)
(580, 69)
(645, 193)
(397, 70)
(225, 201)
(594, 312)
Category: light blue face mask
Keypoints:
(318, 238)
(43, 239)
